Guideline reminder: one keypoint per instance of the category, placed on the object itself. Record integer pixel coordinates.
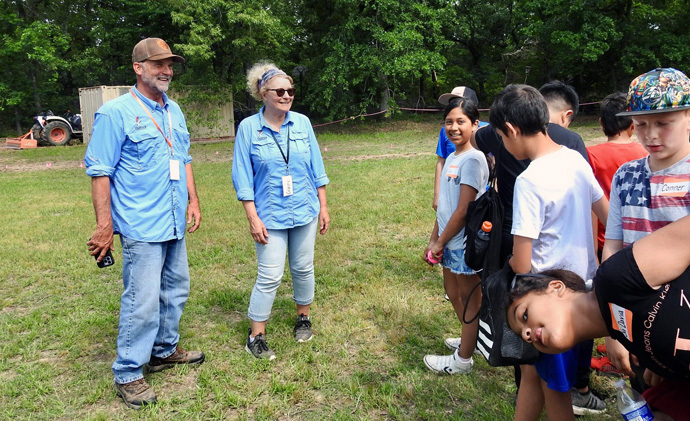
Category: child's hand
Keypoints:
(436, 251)
(426, 254)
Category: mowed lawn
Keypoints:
(378, 310)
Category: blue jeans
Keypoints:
(156, 281)
(299, 244)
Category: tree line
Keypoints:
(346, 56)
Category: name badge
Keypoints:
(174, 169)
(674, 187)
(287, 185)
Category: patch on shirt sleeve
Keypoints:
(621, 320)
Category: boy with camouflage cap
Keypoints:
(651, 192)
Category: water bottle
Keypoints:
(481, 241)
(632, 406)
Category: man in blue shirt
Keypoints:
(142, 184)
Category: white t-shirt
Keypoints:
(468, 168)
(552, 205)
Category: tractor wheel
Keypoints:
(37, 132)
(57, 133)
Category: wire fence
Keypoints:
(416, 110)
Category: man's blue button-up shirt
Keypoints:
(128, 148)
(258, 167)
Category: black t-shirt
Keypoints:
(653, 324)
(508, 168)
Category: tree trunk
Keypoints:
(385, 95)
(34, 87)
(18, 120)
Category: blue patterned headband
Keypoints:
(268, 74)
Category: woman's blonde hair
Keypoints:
(255, 74)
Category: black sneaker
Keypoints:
(587, 403)
(258, 347)
(303, 329)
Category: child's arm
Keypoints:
(432, 240)
(601, 210)
(440, 162)
(457, 220)
(521, 262)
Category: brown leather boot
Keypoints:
(136, 394)
(180, 356)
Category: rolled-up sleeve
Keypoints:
(242, 172)
(103, 152)
(317, 167)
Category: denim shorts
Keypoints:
(454, 260)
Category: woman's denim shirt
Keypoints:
(258, 167)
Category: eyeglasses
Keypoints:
(281, 91)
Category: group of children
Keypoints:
(551, 187)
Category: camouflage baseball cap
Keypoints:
(661, 90)
(153, 49)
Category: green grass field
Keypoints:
(378, 310)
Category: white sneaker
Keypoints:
(447, 364)
(454, 343)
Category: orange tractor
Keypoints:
(49, 130)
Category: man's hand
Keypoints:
(100, 242)
(193, 215)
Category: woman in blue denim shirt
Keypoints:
(278, 174)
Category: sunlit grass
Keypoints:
(378, 307)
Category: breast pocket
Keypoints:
(300, 142)
(264, 149)
(144, 149)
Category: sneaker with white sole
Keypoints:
(302, 329)
(454, 343)
(447, 364)
(258, 347)
(587, 403)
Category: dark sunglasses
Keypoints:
(281, 91)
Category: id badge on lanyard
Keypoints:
(174, 163)
(287, 179)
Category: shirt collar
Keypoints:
(262, 120)
(151, 103)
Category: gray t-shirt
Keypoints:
(468, 168)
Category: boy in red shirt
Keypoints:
(619, 148)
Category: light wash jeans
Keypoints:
(156, 281)
(299, 244)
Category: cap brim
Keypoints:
(661, 111)
(175, 58)
(445, 98)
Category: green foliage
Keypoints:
(359, 55)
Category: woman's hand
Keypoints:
(258, 230)
(324, 220)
